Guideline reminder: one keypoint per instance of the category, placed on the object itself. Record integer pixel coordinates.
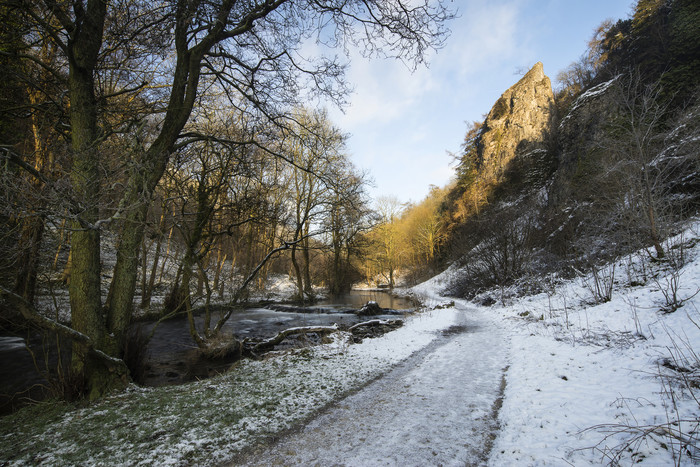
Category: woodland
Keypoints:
(136, 133)
(172, 150)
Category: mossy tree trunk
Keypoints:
(149, 169)
(85, 291)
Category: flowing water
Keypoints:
(171, 356)
(174, 358)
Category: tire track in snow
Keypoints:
(436, 408)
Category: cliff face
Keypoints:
(520, 124)
(578, 143)
(538, 192)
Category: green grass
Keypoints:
(203, 423)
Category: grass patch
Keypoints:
(204, 423)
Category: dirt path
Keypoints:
(437, 408)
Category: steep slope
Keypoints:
(541, 194)
(509, 154)
(505, 168)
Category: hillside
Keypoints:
(562, 180)
(603, 367)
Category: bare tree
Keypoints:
(315, 154)
(252, 51)
(387, 237)
(632, 167)
(348, 218)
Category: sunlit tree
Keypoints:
(167, 56)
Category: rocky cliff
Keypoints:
(520, 125)
(617, 170)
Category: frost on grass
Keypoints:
(207, 422)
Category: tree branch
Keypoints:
(33, 316)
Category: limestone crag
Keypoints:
(520, 123)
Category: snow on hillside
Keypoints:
(593, 93)
(607, 382)
(592, 380)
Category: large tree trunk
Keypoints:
(145, 248)
(145, 176)
(336, 279)
(84, 287)
(120, 299)
(139, 192)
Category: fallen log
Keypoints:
(282, 335)
(377, 322)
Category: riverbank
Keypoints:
(209, 421)
(171, 356)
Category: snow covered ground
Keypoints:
(592, 384)
(436, 408)
(210, 421)
(588, 381)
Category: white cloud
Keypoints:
(487, 34)
(484, 37)
(384, 90)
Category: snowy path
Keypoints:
(436, 408)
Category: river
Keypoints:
(171, 356)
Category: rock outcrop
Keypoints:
(370, 309)
(520, 124)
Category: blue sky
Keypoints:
(403, 124)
